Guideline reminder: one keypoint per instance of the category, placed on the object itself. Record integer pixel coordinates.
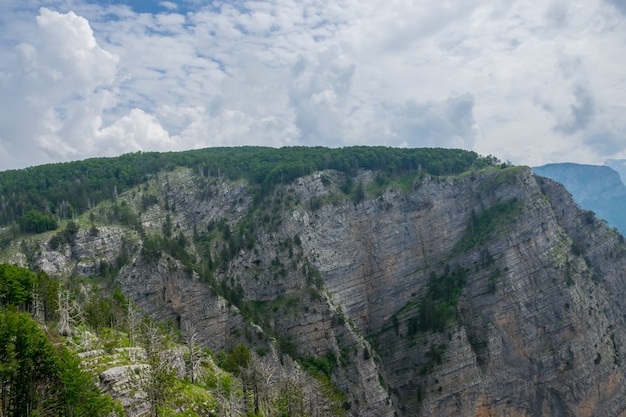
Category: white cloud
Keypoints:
(168, 5)
(133, 132)
(58, 83)
(529, 82)
(68, 50)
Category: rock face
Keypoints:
(489, 294)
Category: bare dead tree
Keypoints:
(158, 383)
(196, 356)
(229, 396)
(39, 313)
(259, 376)
(321, 396)
(290, 399)
(68, 311)
(134, 321)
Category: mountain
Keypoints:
(594, 187)
(404, 282)
(618, 165)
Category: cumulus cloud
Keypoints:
(67, 49)
(529, 82)
(581, 112)
(448, 124)
(133, 133)
(168, 5)
(319, 95)
(59, 82)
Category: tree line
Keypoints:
(65, 190)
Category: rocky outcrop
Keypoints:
(165, 292)
(486, 294)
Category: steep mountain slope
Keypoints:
(481, 294)
(618, 165)
(594, 187)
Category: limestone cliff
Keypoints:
(485, 294)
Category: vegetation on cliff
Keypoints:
(29, 196)
(39, 375)
(56, 342)
(326, 282)
(84, 194)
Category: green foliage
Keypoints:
(28, 362)
(313, 276)
(502, 175)
(80, 394)
(436, 309)
(219, 244)
(382, 382)
(320, 366)
(260, 312)
(38, 379)
(481, 226)
(348, 185)
(148, 200)
(262, 351)
(358, 193)
(154, 246)
(71, 188)
(237, 360)
(577, 248)
(124, 214)
(8, 234)
(438, 306)
(167, 226)
(382, 180)
(110, 270)
(103, 312)
(35, 221)
(16, 286)
(45, 378)
(285, 343)
(66, 236)
(46, 289)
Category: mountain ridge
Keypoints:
(486, 291)
(595, 187)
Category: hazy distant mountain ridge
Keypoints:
(618, 165)
(594, 187)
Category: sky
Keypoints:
(530, 82)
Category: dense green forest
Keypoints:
(38, 375)
(34, 198)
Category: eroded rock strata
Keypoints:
(487, 294)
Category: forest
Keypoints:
(35, 198)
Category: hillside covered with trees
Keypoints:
(306, 282)
(34, 198)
